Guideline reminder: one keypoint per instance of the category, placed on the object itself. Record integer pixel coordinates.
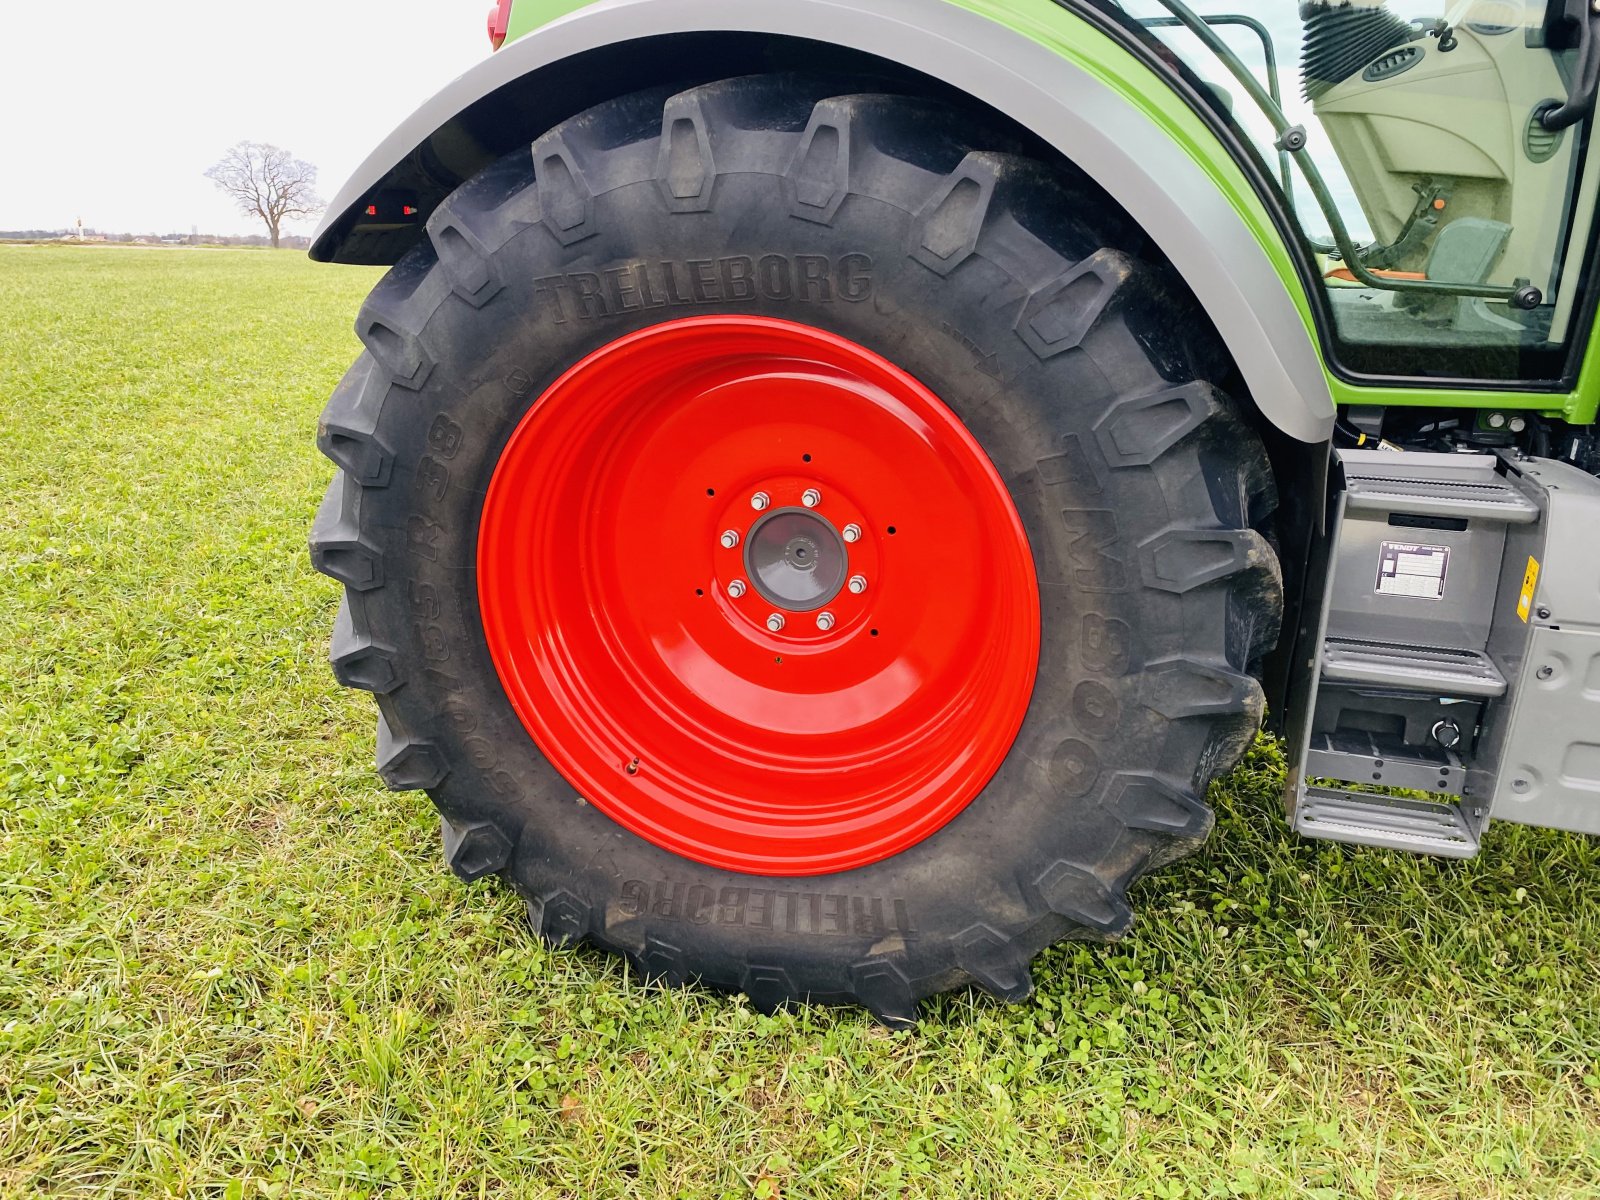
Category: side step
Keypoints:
(1416, 653)
(1488, 497)
(1421, 826)
(1421, 668)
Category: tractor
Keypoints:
(830, 483)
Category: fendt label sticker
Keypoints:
(1405, 569)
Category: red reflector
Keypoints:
(372, 210)
(407, 211)
(499, 20)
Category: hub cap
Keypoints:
(796, 559)
(758, 595)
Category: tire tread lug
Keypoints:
(338, 548)
(474, 849)
(406, 765)
(358, 660)
(995, 963)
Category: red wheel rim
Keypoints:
(615, 617)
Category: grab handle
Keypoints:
(1584, 15)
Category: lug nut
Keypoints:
(775, 622)
(824, 621)
(736, 588)
(760, 500)
(730, 538)
(811, 497)
(858, 584)
(852, 532)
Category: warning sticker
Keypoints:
(1405, 569)
(1530, 581)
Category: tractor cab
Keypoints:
(1435, 165)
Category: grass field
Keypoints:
(232, 965)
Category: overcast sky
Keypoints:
(110, 110)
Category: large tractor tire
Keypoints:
(798, 542)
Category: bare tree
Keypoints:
(269, 183)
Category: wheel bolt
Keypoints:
(852, 532)
(824, 621)
(736, 588)
(858, 584)
(811, 497)
(760, 500)
(730, 538)
(775, 622)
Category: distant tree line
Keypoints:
(288, 240)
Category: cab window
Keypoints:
(1434, 164)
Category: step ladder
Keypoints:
(1421, 826)
(1405, 670)
(1422, 668)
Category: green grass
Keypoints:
(232, 965)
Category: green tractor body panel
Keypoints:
(528, 15)
(1576, 406)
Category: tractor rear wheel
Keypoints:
(797, 541)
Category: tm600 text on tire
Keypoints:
(795, 540)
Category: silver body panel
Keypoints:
(1549, 768)
(1504, 659)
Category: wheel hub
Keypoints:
(758, 595)
(796, 559)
